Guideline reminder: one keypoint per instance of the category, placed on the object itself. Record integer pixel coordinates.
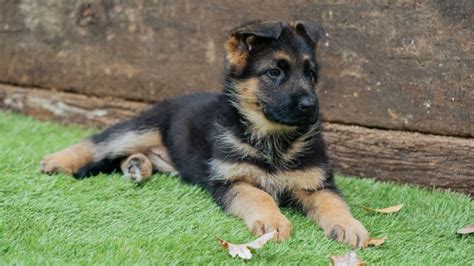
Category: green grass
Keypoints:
(106, 220)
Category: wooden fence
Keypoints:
(397, 90)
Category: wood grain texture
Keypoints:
(405, 65)
(404, 157)
(428, 160)
(66, 107)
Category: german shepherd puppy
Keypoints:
(254, 146)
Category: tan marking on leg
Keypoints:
(68, 160)
(161, 160)
(137, 167)
(334, 217)
(128, 143)
(258, 210)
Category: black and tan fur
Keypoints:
(254, 146)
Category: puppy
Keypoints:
(254, 146)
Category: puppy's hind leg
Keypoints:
(161, 160)
(100, 152)
(70, 159)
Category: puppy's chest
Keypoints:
(279, 182)
(273, 183)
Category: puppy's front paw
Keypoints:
(349, 231)
(276, 222)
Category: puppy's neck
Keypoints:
(277, 149)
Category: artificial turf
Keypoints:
(106, 220)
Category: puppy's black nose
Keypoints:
(306, 104)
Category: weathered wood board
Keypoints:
(405, 65)
(404, 157)
(433, 161)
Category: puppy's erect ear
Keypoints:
(245, 38)
(266, 29)
(312, 30)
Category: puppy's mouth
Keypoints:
(289, 117)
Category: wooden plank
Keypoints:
(428, 160)
(405, 65)
(404, 157)
(68, 108)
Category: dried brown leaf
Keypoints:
(243, 250)
(349, 259)
(468, 229)
(377, 241)
(391, 209)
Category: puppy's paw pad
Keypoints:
(137, 168)
(349, 231)
(278, 223)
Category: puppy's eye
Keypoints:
(274, 73)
